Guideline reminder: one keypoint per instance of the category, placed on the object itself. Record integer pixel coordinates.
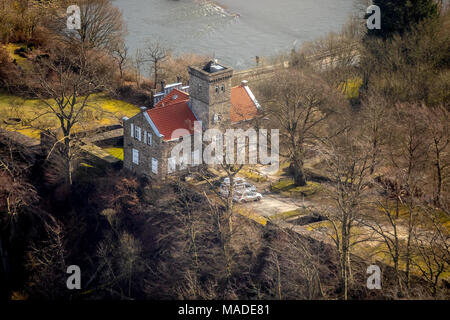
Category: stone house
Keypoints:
(150, 135)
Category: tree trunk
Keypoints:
(155, 79)
(437, 199)
(299, 175)
(68, 164)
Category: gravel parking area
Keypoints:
(272, 204)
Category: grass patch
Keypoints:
(86, 165)
(283, 166)
(115, 152)
(374, 250)
(11, 47)
(101, 109)
(351, 88)
(288, 214)
(444, 219)
(403, 212)
(253, 176)
(319, 225)
(115, 107)
(251, 215)
(287, 186)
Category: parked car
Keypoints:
(237, 181)
(246, 186)
(240, 188)
(247, 196)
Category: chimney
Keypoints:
(178, 79)
(244, 83)
(163, 84)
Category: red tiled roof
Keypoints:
(242, 106)
(174, 113)
(175, 96)
(172, 117)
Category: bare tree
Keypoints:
(386, 226)
(155, 53)
(138, 61)
(224, 231)
(432, 248)
(348, 165)
(47, 263)
(299, 104)
(120, 54)
(102, 25)
(64, 85)
(120, 259)
(374, 115)
(408, 157)
(438, 120)
(18, 199)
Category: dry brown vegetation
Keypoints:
(383, 156)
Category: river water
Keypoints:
(233, 31)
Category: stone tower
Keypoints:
(210, 93)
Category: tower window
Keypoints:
(223, 88)
(217, 89)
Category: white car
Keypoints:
(240, 188)
(247, 196)
(245, 186)
(237, 181)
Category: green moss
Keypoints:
(253, 176)
(351, 88)
(287, 214)
(86, 165)
(11, 47)
(251, 215)
(101, 109)
(287, 186)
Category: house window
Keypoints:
(149, 138)
(132, 130)
(137, 133)
(154, 166)
(135, 156)
(171, 165)
(217, 89)
(199, 87)
(223, 88)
